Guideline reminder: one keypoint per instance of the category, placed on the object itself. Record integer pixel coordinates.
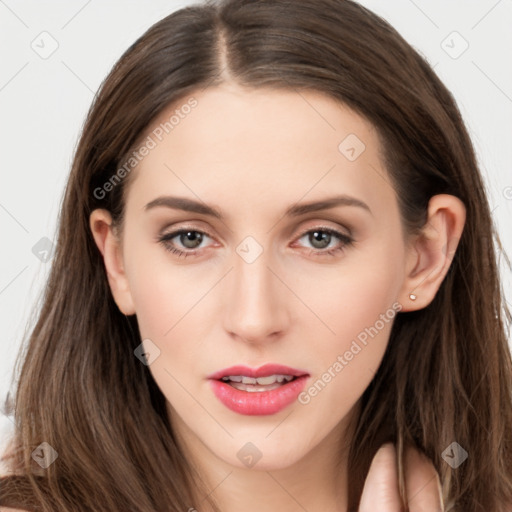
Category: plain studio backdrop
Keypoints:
(54, 56)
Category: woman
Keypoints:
(275, 283)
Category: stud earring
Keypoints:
(412, 296)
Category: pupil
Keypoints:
(320, 236)
(191, 239)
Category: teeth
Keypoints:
(265, 381)
(253, 388)
(261, 381)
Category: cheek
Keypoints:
(163, 291)
(173, 309)
(351, 296)
(346, 362)
(336, 389)
(156, 303)
(170, 313)
(358, 308)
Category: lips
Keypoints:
(258, 400)
(263, 371)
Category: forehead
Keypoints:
(259, 143)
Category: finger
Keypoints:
(380, 490)
(422, 483)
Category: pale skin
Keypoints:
(251, 154)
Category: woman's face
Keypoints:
(275, 278)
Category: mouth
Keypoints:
(252, 385)
(262, 391)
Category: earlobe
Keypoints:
(109, 245)
(431, 254)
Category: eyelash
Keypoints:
(346, 240)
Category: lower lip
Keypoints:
(258, 403)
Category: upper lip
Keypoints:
(263, 371)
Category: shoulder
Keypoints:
(5, 509)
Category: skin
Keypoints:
(251, 154)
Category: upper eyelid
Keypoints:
(325, 228)
(336, 231)
(316, 224)
(179, 229)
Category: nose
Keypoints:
(256, 305)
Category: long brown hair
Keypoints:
(447, 373)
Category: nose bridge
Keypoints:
(255, 307)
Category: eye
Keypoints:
(326, 241)
(188, 240)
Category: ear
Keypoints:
(431, 252)
(109, 244)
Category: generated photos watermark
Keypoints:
(344, 359)
(150, 143)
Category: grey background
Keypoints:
(44, 98)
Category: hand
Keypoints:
(380, 493)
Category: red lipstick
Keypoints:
(261, 391)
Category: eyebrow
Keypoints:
(191, 205)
